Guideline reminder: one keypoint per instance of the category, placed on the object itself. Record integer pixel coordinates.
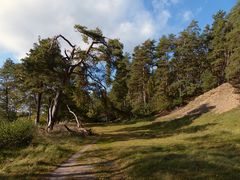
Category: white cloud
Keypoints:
(22, 21)
(187, 15)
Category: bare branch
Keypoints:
(73, 53)
(79, 123)
(65, 39)
(71, 69)
(90, 47)
(67, 57)
(96, 79)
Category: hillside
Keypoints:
(219, 100)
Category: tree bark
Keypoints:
(143, 88)
(7, 102)
(29, 111)
(39, 102)
(53, 111)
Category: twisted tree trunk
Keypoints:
(53, 110)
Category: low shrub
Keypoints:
(16, 134)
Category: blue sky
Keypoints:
(132, 21)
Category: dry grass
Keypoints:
(200, 146)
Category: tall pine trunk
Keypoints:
(39, 102)
(143, 88)
(7, 103)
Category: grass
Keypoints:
(200, 146)
(43, 155)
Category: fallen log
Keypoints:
(81, 131)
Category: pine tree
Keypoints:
(119, 91)
(188, 62)
(140, 73)
(42, 71)
(219, 55)
(8, 91)
(208, 79)
(233, 41)
(162, 75)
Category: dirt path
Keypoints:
(72, 169)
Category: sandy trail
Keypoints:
(72, 169)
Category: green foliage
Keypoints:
(15, 134)
(95, 34)
(233, 40)
(119, 91)
(140, 73)
(141, 110)
(233, 70)
(219, 53)
(162, 75)
(161, 103)
(42, 66)
(189, 61)
(209, 81)
(8, 91)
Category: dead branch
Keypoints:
(65, 39)
(82, 131)
(79, 123)
(67, 56)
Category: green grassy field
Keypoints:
(203, 146)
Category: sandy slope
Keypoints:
(219, 100)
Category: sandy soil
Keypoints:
(219, 100)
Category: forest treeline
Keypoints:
(57, 79)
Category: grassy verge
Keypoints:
(193, 147)
(44, 153)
